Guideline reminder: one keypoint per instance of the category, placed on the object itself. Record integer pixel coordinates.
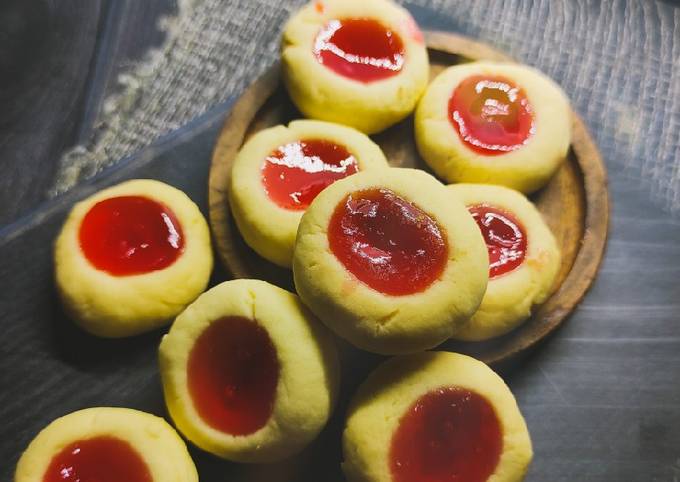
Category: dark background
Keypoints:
(59, 59)
(601, 397)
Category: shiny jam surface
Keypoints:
(387, 242)
(296, 172)
(233, 372)
(491, 114)
(130, 235)
(361, 49)
(504, 236)
(450, 434)
(99, 459)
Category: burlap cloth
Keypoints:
(618, 60)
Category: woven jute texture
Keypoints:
(618, 60)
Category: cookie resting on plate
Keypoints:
(390, 260)
(494, 123)
(355, 62)
(524, 258)
(280, 170)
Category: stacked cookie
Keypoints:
(392, 260)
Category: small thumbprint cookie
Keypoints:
(494, 123)
(355, 62)
(435, 416)
(280, 170)
(390, 260)
(524, 258)
(106, 444)
(131, 257)
(248, 373)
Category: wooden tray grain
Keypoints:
(575, 202)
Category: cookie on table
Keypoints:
(524, 258)
(107, 445)
(435, 416)
(131, 257)
(355, 62)
(390, 260)
(248, 373)
(280, 170)
(494, 123)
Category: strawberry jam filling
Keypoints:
(99, 459)
(505, 238)
(447, 434)
(387, 242)
(130, 235)
(491, 114)
(361, 49)
(296, 172)
(233, 372)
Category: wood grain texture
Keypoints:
(574, 203)
(601, 396)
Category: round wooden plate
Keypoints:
(575, 202)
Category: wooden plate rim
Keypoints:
(596, 225)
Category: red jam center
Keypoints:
(295, 173)
(130, 235)
(504, 236)
(360, 48)
(491, 114)
(387, 242)
(448, 434)
(233, 372)
(99, 459)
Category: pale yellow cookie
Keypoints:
(268, 221)
(435, 416)
(248, 373)
(510, 295)
(526, 168)
(153, 445)
(322, 93)
(128, 302)
(422, 268)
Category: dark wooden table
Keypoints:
(601, 397)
